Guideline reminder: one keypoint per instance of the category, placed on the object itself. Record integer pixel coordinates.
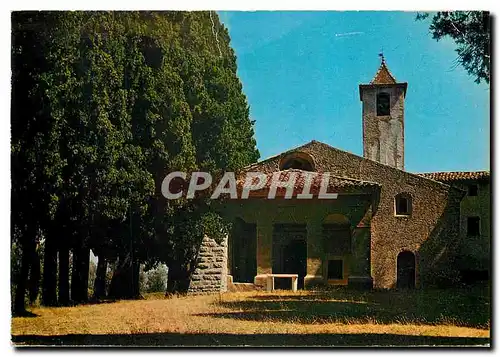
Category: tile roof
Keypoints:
(322, 152)
(383, 75)
(456, 175)
(335, 183)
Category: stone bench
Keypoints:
(270, 280)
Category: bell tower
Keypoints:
(383, 118)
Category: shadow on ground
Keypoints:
(220, 340)
(468, 308)
(24, 314)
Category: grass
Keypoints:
(320, 318)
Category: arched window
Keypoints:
(403, 204)
(297, 160)
(383, 104)
(337, 235)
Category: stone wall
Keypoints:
(474, 251)
(431, 232)
(383, 136)
(210, 275)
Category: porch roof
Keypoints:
(336, 184)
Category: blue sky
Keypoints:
(301, 71)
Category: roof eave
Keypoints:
(403, 85)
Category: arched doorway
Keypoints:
(406, 270)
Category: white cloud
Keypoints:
(349, 34)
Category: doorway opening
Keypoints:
(289, 253)
(406, 270)
(243, 251)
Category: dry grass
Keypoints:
(257, 318)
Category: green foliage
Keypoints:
(155, 279)
(104, 105)
(471, 32)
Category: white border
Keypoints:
(178, 5)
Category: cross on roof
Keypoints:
(381, 55)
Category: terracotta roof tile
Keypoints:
(335, 183)
(383, 75)
(321, 152)
(456, 175)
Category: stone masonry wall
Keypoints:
(210, 275)
(383, 136)
(475, 252)
(431, 232)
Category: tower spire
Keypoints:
(383, 117)
(383, 75)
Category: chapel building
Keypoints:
(387, 228)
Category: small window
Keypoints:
(383, 104)
(403, 204)
(473, 226)
(471, 276)
(297, 163)
(472, 190)
(336, 269)
(297, 160)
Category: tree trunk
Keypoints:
(63, 276)
(22, 279)
(49, 289)
(80, 275)
(136, 269)
(34, 278)
(75, 276)
(116, 289)
(85, 263)
(178, 279)
(100, 279)
(125, 281)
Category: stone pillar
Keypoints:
(315, 254)
(210, 274)
(264, 251)
(360, 267)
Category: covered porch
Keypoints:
(324, 241)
